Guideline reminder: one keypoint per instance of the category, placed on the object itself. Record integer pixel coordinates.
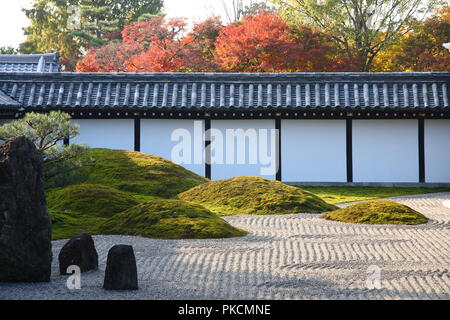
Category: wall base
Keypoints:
(370, 184)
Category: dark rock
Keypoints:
(25, 227)
(121, 270)
(79, 251)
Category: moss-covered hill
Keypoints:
(92, 199)
(126, 192)
(169, 219)
(377, 212)
(139, 173)
(254, 195)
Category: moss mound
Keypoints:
(67, 224)
(254, 195)
(89, 199)
(377, 212)
(139, 173)
(169, 219)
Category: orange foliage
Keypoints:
(421, 49)
(191, 53)
(109, 58)
(265, 43)
(259, 43)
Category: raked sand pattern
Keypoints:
(284, 257)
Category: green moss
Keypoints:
(254, 195)
(89, 199)
(98, 209)
(68, 224)
(169, 219)
(377, 212)
(350, 194)
(139, 173)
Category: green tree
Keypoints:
(362, 28)
(97, 27)
(47, 132)
(74, 26)
(49, 31)
(8, 50)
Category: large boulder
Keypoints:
(79, 251)
(25, 227)
(121, 270)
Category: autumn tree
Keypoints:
(158, 45)
(162, 39)
(112, 57)
(266, 43)
(158, 31)
(258, 43)
(422, 48)
(360, 27)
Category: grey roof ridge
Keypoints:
(52, 57)
(208, 76)
(14, 102)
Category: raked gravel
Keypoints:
(284, 257)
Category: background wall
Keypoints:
(437, 151)
(156, 139)
(313, 150)
(385, 151)
(106, 133)
(224, 171)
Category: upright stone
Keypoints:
(25, 227)
(121, 270)
(79, 251)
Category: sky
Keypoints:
(12, 19)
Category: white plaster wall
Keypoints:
(106, 133)
(234, 169)
(313, 151)
(437, 151)
(385, 151)
(156, 137)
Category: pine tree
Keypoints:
(97, 26)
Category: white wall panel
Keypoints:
(243, 163)
(156, 139)
(106, 133)
(313, 150)
(437, 151)
(385, 151)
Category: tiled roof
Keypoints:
(217, 91)
(6, 100)
(29, 62)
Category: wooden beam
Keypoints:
(207, 129)
(421, 151)
(278, 149)
(349, 144)
(137, 134)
